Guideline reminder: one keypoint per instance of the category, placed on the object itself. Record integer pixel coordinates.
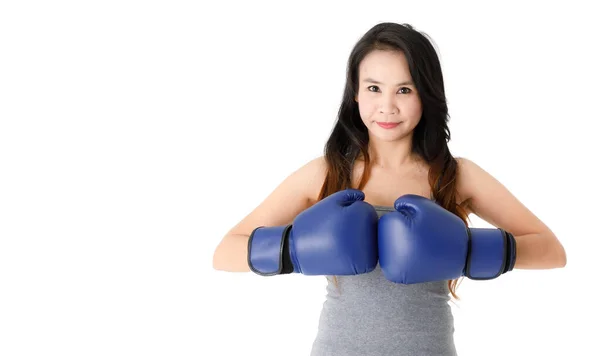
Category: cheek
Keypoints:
(413, 107)
(366, 107)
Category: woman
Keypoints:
(383, 213)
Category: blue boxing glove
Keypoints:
(336, 236)
(423, 242)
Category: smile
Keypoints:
(388, 125)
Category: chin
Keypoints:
(389, 136)
(385, 138)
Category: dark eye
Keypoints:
(405, 90)
(373, 88)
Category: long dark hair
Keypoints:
(349, 138)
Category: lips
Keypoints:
(388, 125)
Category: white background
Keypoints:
(133, 135)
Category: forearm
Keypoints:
(539, 251)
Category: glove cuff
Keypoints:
(268, 251)
(490, 253)
(511, 251)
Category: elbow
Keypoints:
(217, 263)
(562, 257)
(555, 256)
(223, 261)
(231, 255)
(540, 251)
(559, 253)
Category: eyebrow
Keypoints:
(406, 82)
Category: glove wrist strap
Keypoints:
(511, 252)
(490, 253)
(269, 251)
(287, 266)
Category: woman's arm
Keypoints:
(486, 197)
(295, 194)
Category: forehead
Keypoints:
(384, 66)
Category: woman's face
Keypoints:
(388, 101)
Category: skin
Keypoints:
(386, 94)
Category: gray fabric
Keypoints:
(367, 315)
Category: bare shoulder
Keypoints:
(291, 196)
(316, 167)
(469, 178)
(305, 182)
(471, 175)
(311, 177)
(488, 198)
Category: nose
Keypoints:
(388, 105)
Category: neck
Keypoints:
(391, 155)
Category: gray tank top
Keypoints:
(367, 315)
